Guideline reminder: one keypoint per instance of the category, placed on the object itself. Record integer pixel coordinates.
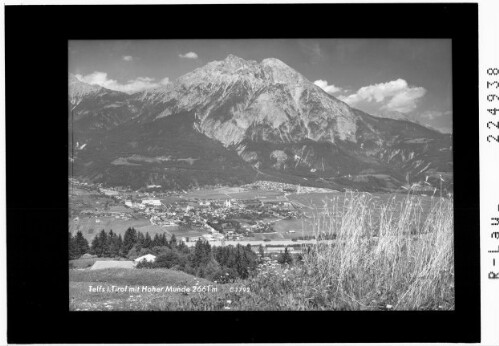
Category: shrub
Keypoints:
(285, 257)
(225, 275)
(169, 259)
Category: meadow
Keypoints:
(185, 231)
(231, 192)
(92, 225)
(302, 228)
(83, 299)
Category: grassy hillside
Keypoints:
(81, 297)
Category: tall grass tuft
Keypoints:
(385, 254)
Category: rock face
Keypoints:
(235, 99)
(93, 108)
(262, 120)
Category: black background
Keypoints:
(37, 185)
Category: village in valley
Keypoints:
(260, 214)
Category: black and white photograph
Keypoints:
(260, 175)
(250, 173)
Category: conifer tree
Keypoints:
(96, 246)
(119, 243)
(147, 241)
(140, 241)
(163, 240)
(173, 241)
(103, 240)
(129, 240)
(114, 247)
(202, 253)
(156, 241)
(81, 244)
(71, 246)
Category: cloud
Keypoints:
(130, 87)
(396, 95)
(190, 55)
(164, 81)
(127, 58)
(330, 89)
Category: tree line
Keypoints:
(110, 244)
(78, 245)
(221, 264)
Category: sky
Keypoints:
(409, 78)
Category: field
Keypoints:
(172, 199)
(302, 227)
(83, 263)
(232, 192)
(185, 232)
(90, 226)
(80, 200)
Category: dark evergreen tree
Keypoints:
(129, 240)
(103, 240)
(72, 248)
(173, 241)
(120, 245)
(156, 241)
(96, 246)
(147, 241)
(113, 244)
(81, 244)
(140, 241)
(163, 240)
(202, 253)
(182, 248)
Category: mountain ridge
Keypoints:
(275, 120)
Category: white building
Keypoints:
(208, 237)
(218, 236)
(152, 202)
(147, 258)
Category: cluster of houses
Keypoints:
(199, 214)
(143, 204)
(102, 213)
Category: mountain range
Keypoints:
(234, 121)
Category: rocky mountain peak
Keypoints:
(237, 61)
(238, 117)
(279, 72)
(78, 89)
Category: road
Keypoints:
(284, 242)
